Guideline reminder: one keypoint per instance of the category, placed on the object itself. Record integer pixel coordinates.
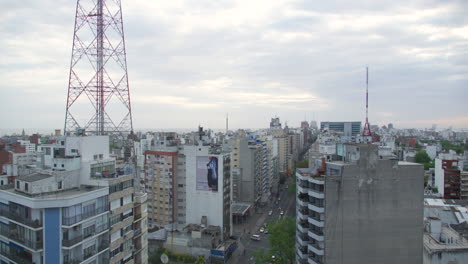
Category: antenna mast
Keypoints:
(366, 131)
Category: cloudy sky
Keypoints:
(191, 62)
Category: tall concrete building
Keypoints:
(83, 209)
(208, 188)
(165, 186)
(347, 128)
(361, 209)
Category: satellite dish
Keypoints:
(164, 258)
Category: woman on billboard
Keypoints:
(212, 174)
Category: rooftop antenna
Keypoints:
(366, 131)
(227, 122)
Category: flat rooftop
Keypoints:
(457, 241)
(64, 194)
(34, 177)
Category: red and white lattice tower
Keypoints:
(98, 93)
(366, 131)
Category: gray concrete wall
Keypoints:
(374, 212)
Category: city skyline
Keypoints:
(200, 60)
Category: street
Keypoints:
(287, 203)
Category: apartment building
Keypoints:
(360, 209)
(81, 208)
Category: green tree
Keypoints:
(422, 157)
(282, 237)
(292, 186)
(302, 164)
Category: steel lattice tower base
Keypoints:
(98, 99)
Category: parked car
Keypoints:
(271, 212)
(282, 213)
(262, 230)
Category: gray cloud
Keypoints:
(190, 62)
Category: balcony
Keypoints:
(317, 235)
(302, 240)
(301, 202)
(71, 242)
(314, 259)
(28, 243)
(316, 208)
(316, 221)
(302, 255)
(302, 215)
(316, 194)
(68, 221)
(36, 223)
(303, 228)
(316, 249)
(16, 257)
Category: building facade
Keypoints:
(353, 210)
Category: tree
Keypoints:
(292, 186)
(282, 238)
(302, 164)
(422, 157)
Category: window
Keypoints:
(17, 184)
(59, 184)
(95, 157)
(89, 251)
(89, 231)
(63, 165)
(55, 165)
(47, 151)
(26, 186)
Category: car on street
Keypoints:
(255, 237)
(282, 213)
(271, 212)
(266, 231)
(262, 230)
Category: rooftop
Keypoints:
(34, 177)
(63, 194)
(454, 241)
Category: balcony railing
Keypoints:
(14, 256)
(21, 219)
(28, 243)
(78, 218)
(71, 242)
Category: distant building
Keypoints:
(275, 123)
(348, 129)
(354, 210)
(447, 177)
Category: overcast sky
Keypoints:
(191, 62)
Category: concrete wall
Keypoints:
(374, 211)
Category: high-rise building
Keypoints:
(361, 209)
(83, 208)
(208, 188)
(347, 128)
(165, 186)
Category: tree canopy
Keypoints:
(282, 239)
